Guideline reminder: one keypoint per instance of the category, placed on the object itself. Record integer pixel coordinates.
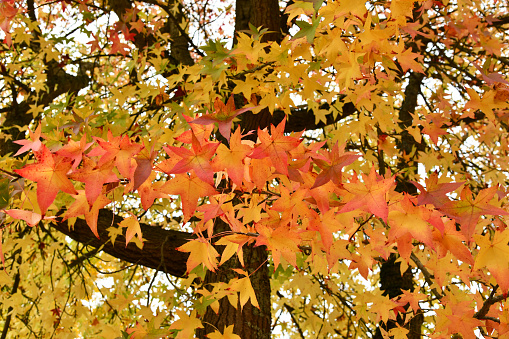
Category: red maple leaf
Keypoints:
(276, 146)
(331, 169)
(120, 149)
(196, 159)
(94, 44)
(223, 115)
(94, 177)
(50, 173)
(118, 47)
(33, 144)
(232, 158)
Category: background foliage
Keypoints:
(254, 169)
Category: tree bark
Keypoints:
(159, 247)
(248, 321)
(391, 280)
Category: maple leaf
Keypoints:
(196, 159)
(7, 13)
(233, 245)
(94, 44)
(223, 115)
(460, 319)
(31, 218)
(213, 208)
(412, 220)
(200, 251)
(332, 169)
(94, 177)
(186, 324)
(276, 146)
(201, 132)
(74, 150)
(468, 210)
(33, 144)
(118, 47)
(407, 61)
(144, 165)
(453, 241)
(282, 241)
(435, 192)
(190, 188)
(149, 191)
(50, 173)
(81, 207)
(494, 255)
(245, 289)
(232, 158)
(133, 228)
(369, 196)
(227, 334)
(120, 149)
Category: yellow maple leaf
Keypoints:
(200, 252)
(245, 289)
(227, 334)
(494, 255)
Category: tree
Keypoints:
(332, 169)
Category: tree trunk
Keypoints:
(391, 280)
(249, 322)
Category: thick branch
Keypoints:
(302, 119)
(159, 249)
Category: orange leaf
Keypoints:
(50, 173)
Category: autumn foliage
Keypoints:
(342, 175)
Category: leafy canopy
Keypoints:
(387, 142)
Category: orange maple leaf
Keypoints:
(133, 228)
(332, 169)
(276, 146)
(283, 241)
(468, 210)
(149, 191)
(74, 150)
(120, 149)
(232, 158)
(369, 196)
(412, 220)
(81, 207)
(494, 255)
(50, 173)
(94, 177)
(435, 191)
(190, 188)
(196, 159)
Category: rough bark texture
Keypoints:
(248, 321)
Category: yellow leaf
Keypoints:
(200, 252)
(133, 227)
(227, 334)
(246, 291)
